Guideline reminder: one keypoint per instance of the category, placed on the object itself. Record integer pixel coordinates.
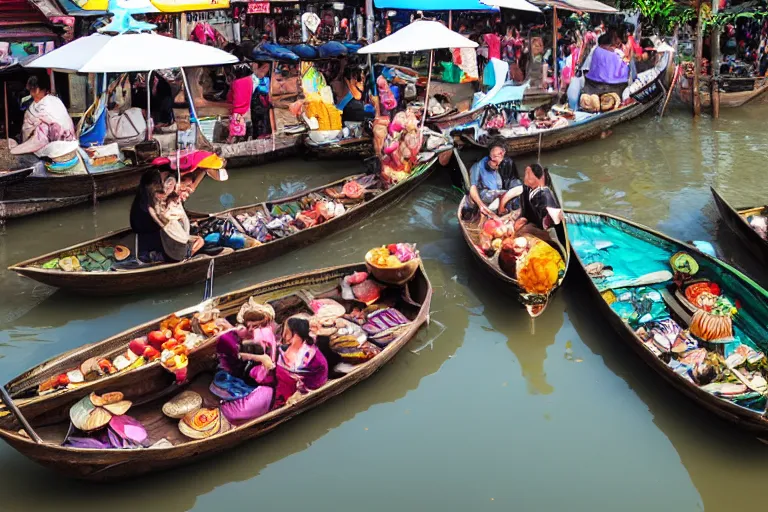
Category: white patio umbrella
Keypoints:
(132, 52)
(419, 36)
(517, 5)
(124, 53)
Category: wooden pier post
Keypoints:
(714, 93)
(695, 87)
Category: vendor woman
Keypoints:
(607, 71)
(494, 181)
(540, 206)
(46, 119)
(298, 364)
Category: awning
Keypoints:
(434, 5)
(419, 36)
(102, 6)
(515, 5)
(72, 9)
(189, 5)
(19, 12)
(124, 53)
(31, 32)
(578, 5)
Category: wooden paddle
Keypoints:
(660, 276)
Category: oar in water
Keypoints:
(462, 168)
(208, 291)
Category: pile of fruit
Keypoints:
(392, 255)
(170, 344)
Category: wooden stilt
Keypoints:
(715, 53)
(695, 88)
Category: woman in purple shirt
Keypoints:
(607, 71)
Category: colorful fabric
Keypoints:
(310, 372)
(45, 121)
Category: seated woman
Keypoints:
(247, 357)
(301, 366)
(160, 222)
(607, 71)
(45, 121)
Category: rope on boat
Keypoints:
(538, 158)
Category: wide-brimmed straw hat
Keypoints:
(203, 423)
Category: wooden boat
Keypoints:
(535, 304)
(149, 277)
(729, 99)
(574, 133)
(592, 127)
(41, 191)
(736, 220)
(149, 386)
(258, 151)
(641, 278)
(357, 148)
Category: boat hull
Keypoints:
(195, 269)
(736, 223)
(742, 417)
(36, 194)
(107, 465)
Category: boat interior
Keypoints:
(149, 386)
(698, 317)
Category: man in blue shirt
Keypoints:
(494, 182)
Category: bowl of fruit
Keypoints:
(394, 263)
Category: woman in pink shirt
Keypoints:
(240, 91)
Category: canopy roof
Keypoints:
(517, 5)
(100, 53)
(19, 12)
(100, 7)
(578, 5)
(419, 36)
(434, 5)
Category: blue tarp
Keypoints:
(434, 5)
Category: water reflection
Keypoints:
(528, 340)
(725, 464)
(489, 414)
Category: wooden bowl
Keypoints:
(393, 275)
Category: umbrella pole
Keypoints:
(429, 81)
(149, 99)
(554, 47)
(191, 102)
(5, 102)
(450, 20)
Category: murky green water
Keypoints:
(490, 416)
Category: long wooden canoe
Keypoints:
(150, 277)
(736, 222)
(575, 133)
(42, 191)
(630, 247)
(149, 386)
(358, 148)
(590, 128)
(471, 230)
(730, 99)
